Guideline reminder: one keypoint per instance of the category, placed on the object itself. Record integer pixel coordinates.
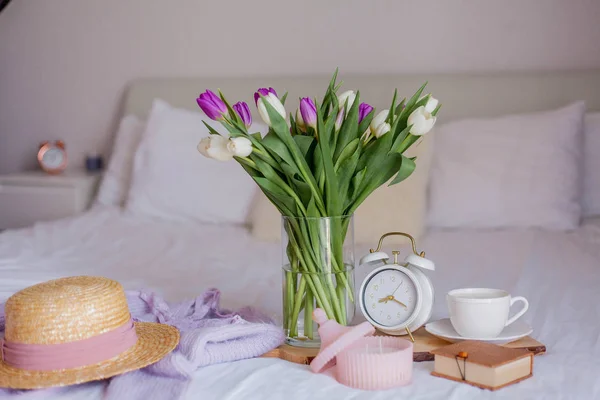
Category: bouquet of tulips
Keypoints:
(322, 161)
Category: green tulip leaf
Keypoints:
(331, 183)
(270, 186)
(235, 118)
(285, 204)
(398, 147)
(347, 152)
(356, 184)
(276, 146)
(280, 127)
(302, 189)
(330, 123)
(294, 128)
(248, 167)
(312, 210)
(411, 103)
(349, 129)
(304, 144)
(346, 173)
(391, 114)
(400, 107)
(270, 174)
(212, 130)
(330, 93)
(406, 169)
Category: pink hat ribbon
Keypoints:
(50, 357)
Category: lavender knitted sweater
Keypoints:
(209, 335)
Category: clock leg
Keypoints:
(412, 339)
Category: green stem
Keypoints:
(308, 310)
(313, 282)
(314, 262)
(297, 304)
(289, 300)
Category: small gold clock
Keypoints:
(52, 157)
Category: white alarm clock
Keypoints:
(397, 298)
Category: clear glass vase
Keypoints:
(318, 271)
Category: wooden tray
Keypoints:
(424, 343)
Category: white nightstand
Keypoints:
(28, 197)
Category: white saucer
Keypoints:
(444, 330)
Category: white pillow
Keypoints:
(173, 181)
(591, 168)
(117, 177)
(513, 171)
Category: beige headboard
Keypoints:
(462, 95)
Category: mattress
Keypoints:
(558, 272)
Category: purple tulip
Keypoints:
(308, 110)
(241, 108)
(212, 105)
(363, 110)
(264, 92)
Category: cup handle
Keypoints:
(520, 313)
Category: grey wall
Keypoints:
(64, 63)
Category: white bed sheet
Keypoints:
(558, 272)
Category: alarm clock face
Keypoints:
(390, 297)
(53, 158)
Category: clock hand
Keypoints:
(396, 289)
(391, 296)
(399, 302)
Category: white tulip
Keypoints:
(339, 120)
(203, 146)
(299, 121)
(421, 120)
(431, 105)
(215, 147)
(240, 146)
(274, 102)
(347, 97)
(378, 125)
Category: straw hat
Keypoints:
(69, 313)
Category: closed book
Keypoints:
(482, 364)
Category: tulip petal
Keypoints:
(212, 105)
(364, 109)
(347, 97)
(240, 146)
(262, 111)
(339, 120)
(421, 120)
(299, 121)
(431, 105)
(203, 146)
(308, 110)
(242, 109)
(264, 92)
(215, 147)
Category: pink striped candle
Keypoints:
(376, 363)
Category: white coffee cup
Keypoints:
(482, 313)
